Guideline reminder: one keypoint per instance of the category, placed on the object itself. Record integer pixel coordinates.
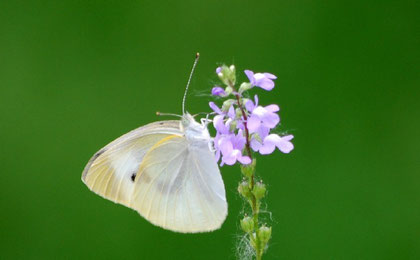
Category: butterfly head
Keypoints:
(192, 129)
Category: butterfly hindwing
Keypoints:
(179, 187)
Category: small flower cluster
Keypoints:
(241, 123)
(243, 126)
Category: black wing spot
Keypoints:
(133, 177)
(98, 154)
(161, 123)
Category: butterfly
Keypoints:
(166, 171)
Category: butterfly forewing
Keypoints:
(112, 170)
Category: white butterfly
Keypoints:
(166, 171)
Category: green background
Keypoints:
(75, 75)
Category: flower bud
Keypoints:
(264, 234)
(228, 90)
(247, 224)
(227, 104)
(249, 169)
(227, 74)
(259, 190)
(244, 87)
(232, 125)
(218, 91)
(244, 190)
(238, 112)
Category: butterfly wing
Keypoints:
(179, 187)
(111, 171)
(156, 171)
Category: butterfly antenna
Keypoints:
(166, 114)
(197, 56)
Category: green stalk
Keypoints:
(253, 192)
(249, 172)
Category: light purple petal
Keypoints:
(249, 105)
(215, 108)
(263, 131)
(255, 145)
(250, 76)
(219, 125)
(270, 142)
(270, 120)
(226, 146)
(272, 139)
(238, 141)
(229, 159)
(272, 108)
(262, 81)
(285, 145)
(267, 148)
(266, 84)
(240, 124)
(216, 141)
(287, 137)
(231, 112)
(259, 76)
(269, 75)
(218, 70)
(253, 123)
(217, 155)
(244, 159)
(259, 111)
(217, 120)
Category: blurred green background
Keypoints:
(75, 75)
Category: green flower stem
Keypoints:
(248, 146)
(252, 194)
(254, 236)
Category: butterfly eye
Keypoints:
(133, 177)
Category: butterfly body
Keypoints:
(166, 171)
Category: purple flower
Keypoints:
(220, 126)
(230, 147)
(261, 116)
(218, 91)
(262, 133)
(260, 121)
(272, 141)
(262, 80)
(218, 70)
